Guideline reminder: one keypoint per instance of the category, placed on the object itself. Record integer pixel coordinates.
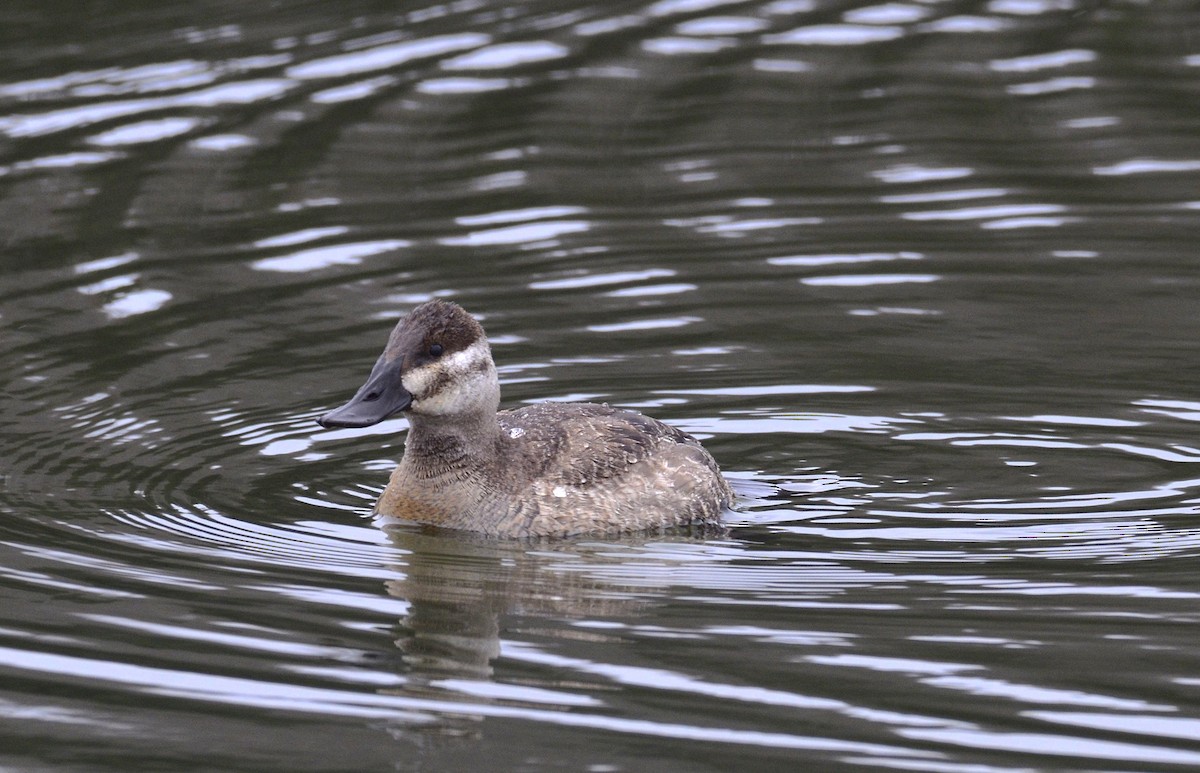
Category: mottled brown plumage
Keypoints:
(552, 469)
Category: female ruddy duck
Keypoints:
(546, 470)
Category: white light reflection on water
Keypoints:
(219, 143)
(887, 14)
(61, 161)
(275, 644)
(929, 197)
(317, 258)
(352, 91)
(663, 679)
(684, 46)
(643, 324)
(1044, 61)
(529, 233)
(789, 423)
(202, 531)
(1052, 86)
(520, 215)
(835, 35)
(301, 236)
(985, 213)
(1149, 725)
(1147, 166)
(295, 698)
(1054, 745)
(652, 290)
(65, 119)
(835, 260)
(146, 131)
(965, 24)
(597, 280)
(721, 25)
(1184, 410)
(664, 8)
(464, 85)
(386, 56)
(108, 284)
(505, 55)
(916, 173)
(869, 280)
(771, 389)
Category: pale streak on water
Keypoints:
(922, 276)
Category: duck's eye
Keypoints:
(435, 350)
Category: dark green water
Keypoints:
(922, 275)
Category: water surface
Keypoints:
(921, 275)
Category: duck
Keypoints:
(544, 470)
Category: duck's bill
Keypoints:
(382, 396)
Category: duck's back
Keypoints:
(574, 468)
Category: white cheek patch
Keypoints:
(454, 377)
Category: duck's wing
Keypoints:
(577, 444)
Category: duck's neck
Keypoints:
(446, 446)
(444, 477)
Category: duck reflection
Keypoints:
(457, 592)
(466, 594)
(461, 589)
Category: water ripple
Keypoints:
(961, 428)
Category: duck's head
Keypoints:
(437, 363)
